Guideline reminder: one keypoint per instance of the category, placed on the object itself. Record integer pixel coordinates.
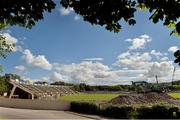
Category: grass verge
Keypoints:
(175, 95)
(89, 97)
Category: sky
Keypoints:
(63, 47)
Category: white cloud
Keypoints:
(158, 54)
(94, 73)
(131, 71)
(142, 66)
(164, 59)
(56, 76)
(20, 68)
(173, 49)
(39, 61)
(140, 42)
(77, 17)
(155, 53)
(85, 72)
(93, 59)
(65, 11)
(134, 60)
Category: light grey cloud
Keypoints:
(161, 69)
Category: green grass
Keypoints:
(89, 97)
(175, 95)
(2, 118)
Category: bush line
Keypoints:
(128, 112)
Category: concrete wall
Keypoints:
(35, 104)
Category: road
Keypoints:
(13, 113)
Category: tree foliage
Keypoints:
(23, 12)
(4, 85)
(177, 56)
(109, 13)
(5, 48)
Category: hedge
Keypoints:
(157, 112)
(128, 112)
(84, 107)
(123, 112)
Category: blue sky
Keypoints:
(64, 47)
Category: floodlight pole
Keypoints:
(157, 80)
(173, 74)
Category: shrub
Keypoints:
(143, 112)
(84, 107)
(123, 112)
(157, 111)
(178, 114)
(172, 112)
(128, 112)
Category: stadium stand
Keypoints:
(45, 92)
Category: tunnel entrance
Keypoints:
(19, 93)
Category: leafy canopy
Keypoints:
(23, 12)
(109, 13)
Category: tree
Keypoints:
(109, 13)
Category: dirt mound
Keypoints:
(142, 98)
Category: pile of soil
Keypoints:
(143, 98)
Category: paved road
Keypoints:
(12, 113)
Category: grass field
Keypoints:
(89, 97)
(175, 95)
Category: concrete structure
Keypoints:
(46, 92)
(35, 104)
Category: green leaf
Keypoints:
(171, 25)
